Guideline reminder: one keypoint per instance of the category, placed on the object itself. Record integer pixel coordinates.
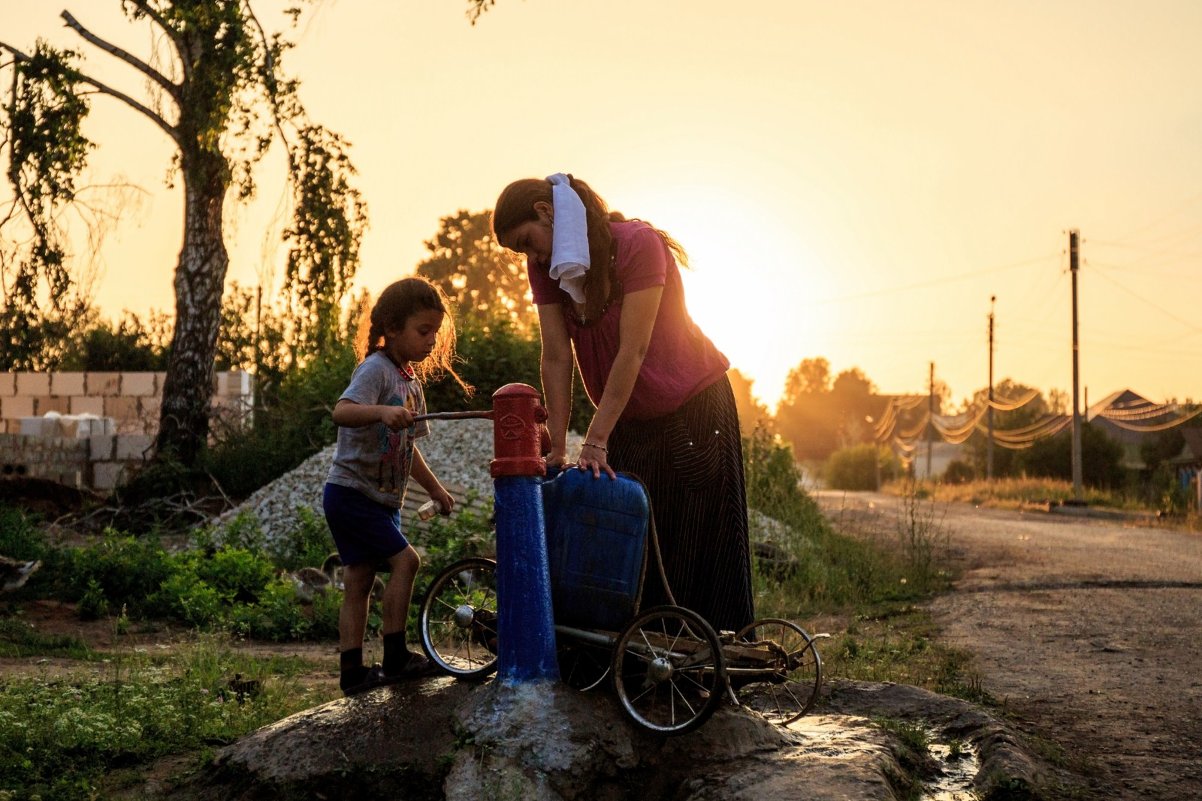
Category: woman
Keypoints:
(609, 289)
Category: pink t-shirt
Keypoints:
(680, 362)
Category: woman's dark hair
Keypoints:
(515, 205)
(396, 304)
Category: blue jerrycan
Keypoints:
(596, 547)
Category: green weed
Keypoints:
(20, 640)
(59, 737)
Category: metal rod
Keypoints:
(454, 415)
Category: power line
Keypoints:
(936, 281)
(1189, 201)
(1139, 297)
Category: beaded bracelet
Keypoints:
(601, 448)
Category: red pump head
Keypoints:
(518, 432)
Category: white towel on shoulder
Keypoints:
(569, 238)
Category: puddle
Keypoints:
(958, 764)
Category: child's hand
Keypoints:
(396, 417)
(446, 504)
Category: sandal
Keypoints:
(418, 667)
(372, 679)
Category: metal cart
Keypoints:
(668, 667)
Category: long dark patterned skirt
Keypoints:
(692, 464)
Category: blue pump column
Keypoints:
(525, 623)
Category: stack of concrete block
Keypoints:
(60, 459)
(101, 423)
(71, 426)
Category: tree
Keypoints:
(1101, 458)
(818, 414)
(216, 90)
(128, 346)
(1007, 393)
(853, 397)
(45, 150)
(803, 416)
(483, 280)
(811, 376)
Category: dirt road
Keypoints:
(1089, 631)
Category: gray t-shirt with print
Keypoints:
(374, 459)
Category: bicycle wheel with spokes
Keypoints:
(459, 618)
(582, 665)
(668, 670)
(774, 669)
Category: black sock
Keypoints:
(350, 663)
(396, 653)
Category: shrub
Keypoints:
(184, 596)
(860, 467)
(244, 531)
(276, 615)
(240, 573)
(1101, 458)
(128, 346)
(19, 537)
(958, 472)
(120, 569)
(306, 543)
(774, 481)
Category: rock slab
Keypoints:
(461, 741)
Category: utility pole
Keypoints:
(258, 337)
(930, 419)
(989, 411)
(1072, 266)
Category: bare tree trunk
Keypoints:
(199, 282)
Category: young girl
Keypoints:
(411, 337)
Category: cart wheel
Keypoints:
(668, 669)
(582, 665)
(775, 669)
(459, 618)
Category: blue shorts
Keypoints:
(363, 529)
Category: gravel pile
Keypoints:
(458, 451)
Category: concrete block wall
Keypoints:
(61, 459)
(131, 401)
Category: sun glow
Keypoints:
(741, 286)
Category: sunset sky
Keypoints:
(852, 180)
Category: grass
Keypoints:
(900, 645)
(1026, 493)
(864, 582)
(60, 737)
(19, 639)
(1016, 493)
